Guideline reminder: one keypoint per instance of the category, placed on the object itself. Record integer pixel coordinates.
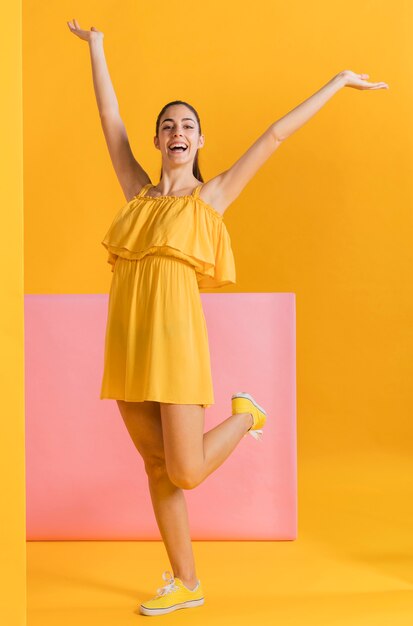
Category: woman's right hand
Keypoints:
(87, 35)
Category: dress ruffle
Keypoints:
(185, 227)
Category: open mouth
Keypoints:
(178, 149)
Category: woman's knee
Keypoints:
(157, 471)
(182, 427)
(155, 467)
(184, 480)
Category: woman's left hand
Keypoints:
(358, 81)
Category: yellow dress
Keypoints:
(163, 251)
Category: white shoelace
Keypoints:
(170, 587)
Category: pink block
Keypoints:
(85, 478)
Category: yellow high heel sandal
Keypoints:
(243, 402)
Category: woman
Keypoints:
(168, 241)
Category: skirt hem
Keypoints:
(108, 397)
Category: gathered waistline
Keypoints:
(158, 253)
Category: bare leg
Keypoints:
(169, 502)
(171, 514)
(221, 440)
(190, 454)
(143, 422)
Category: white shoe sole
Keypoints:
(183, 605)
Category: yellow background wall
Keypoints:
(12, 439)
(328, 216)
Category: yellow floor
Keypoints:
(351, 563)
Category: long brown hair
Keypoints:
(195, 169)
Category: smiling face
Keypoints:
(178, 127)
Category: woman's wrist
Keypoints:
(341, 79)
(96, 40)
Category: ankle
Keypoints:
(188, 582)
(190, 585)
(248, 419)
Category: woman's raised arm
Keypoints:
(130, 174)
(291, 122)
(227, 186)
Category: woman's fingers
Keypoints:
(78, 31)
(87, 35)
(73, 25)
(381, 85)
(359, 81)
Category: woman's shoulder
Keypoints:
(211, 193)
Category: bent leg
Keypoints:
(190, 454)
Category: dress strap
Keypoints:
(196, 191)
(143, 190)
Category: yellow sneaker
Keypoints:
(174, 595)
(243, 402)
